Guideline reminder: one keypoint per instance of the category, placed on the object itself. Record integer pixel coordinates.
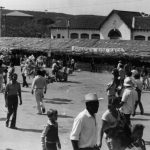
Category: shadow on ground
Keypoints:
(142, 119)
(77, 82)
(8, 149)
(25, 91)
(57, 101)
(29, 130)
(2, 119)
(64, 116)
(147, 142)
(146, 114)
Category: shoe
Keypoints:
(39, 113)
(13, 127)
(43, 110)
(142, 113)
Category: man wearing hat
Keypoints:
(128, 100)
(84, 131)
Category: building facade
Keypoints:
(122, 25)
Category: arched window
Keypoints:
(84, 36)
(114, 34)
(74, 36)
(95, 36)
(139, 37)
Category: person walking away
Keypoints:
(84, 131)
(127, 68)
(110, 118)
(49, 138)
(24, 76)
(144, 75)
(38, 85)
(72, 64)
(55, 69)
(1, 75)
(11, 71)
(111, 90)
(121, 75)
(128, 100)
(13, 90)
(5, 75)
(139, 85)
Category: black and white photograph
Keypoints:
(75, 74)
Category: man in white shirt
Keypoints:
(128, 100)
(84, 131)
(38, 85)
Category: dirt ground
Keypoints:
(67, 98)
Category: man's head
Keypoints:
(92, 103)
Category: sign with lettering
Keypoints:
(90, 50)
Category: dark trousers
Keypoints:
(127, 117)
(24, 81)
(139, 102)
(51, 146)
(12, 109)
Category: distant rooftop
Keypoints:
(18, 14)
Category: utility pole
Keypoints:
(1, 20)
(68, 28)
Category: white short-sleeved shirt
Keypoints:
(129, 98)
(84, 130)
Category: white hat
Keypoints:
(128, 82)
(91, 97)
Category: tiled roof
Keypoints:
(126, 16)
(132, 48)
(80, 22)
(18, 14)
(142, 23)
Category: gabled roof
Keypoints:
(80, 22)
(142, 23)
(126, 16)
(18, 14)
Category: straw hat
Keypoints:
(91, 97)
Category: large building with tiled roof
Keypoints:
(80, 26)
(123, 25)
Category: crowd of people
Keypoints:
(124, 95)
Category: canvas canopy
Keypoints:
(78, 46)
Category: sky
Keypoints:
(76, 7)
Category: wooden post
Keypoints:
(1, 20)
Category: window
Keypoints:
(63, 37)
(95, 36)
(84, 36)
(74, 36)
(139, 37)
(149, 38)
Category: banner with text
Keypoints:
(90, 50)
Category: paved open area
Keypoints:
(67, 98)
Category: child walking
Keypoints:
(49, 138)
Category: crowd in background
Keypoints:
(124, 95)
